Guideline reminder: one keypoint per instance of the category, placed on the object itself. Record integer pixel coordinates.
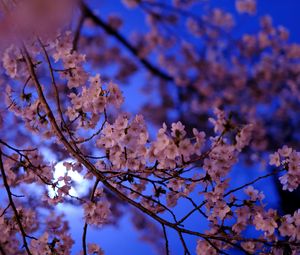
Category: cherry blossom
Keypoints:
(228, 108)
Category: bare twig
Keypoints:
(111, 31)
(166, 239)
(85, 224)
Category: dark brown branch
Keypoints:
(12, 204)
(15, 149)
(52, 79)
(111, 31)
(96, 133)
(77, 32)
(166, 239)
(186, 250)
(4, 211)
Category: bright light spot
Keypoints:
(79, 184)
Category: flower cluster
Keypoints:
(125, 142)
(97, 212)
(290, 226)
(175, 149)
(94, 100)
(246, 6)
(40, 246)
(52, 95)
(290, 160)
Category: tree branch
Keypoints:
(12, 204)
(111, 31)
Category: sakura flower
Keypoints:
(97, 213)
(186, 148)
(40, 246)
(204, 247)
(176, 184)
(94, 249)
(221, 209)
(287, 228)
(63, 46)
(200, 140)
(171, 151)
(131, 3)
(246, 6)
(243, 137)
(115, 95)
(172, 199)
(178, 130)
(266, 222)
(291, 180)
(248, 246)
(10, 62)
(285, 151)
(253, 193)
(219, 123)
(275, 159)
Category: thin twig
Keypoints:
(166, 239)
(85, 224)
(4, 211)
(186, 250)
